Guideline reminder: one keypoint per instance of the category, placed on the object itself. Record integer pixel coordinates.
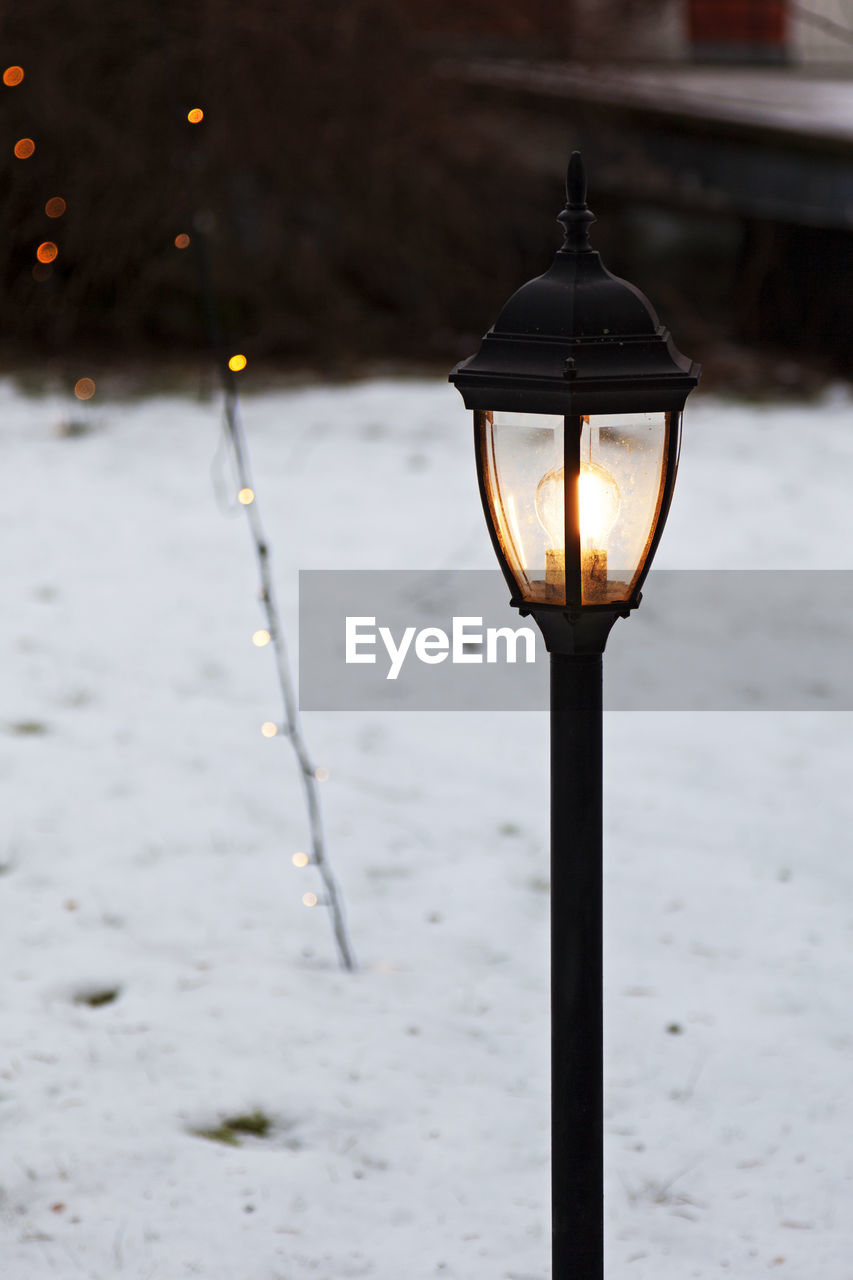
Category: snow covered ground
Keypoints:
(161, 975)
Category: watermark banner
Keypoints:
(708, 640)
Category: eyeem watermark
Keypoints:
(464, 643)
(730, 640)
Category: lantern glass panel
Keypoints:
(620, 470)
(623, 467)
(516, 451)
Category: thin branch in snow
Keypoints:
(291, 727)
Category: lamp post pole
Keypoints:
(577, 1154)
(577, 392)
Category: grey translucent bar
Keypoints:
(705, 640)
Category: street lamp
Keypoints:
(577, 393)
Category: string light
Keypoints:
(300, 859)
(322, 775)
(195, 116)
(55, 207)
(47, 251)
(13, 76)
(84, 388)
(24, 148)
(290, 727)
(182, 241)
(260, 638)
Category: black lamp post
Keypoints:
(577, 393)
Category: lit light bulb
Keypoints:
(598, 508)
(599, 504)
(269, 729)
(300, 859)
(549, 506)
(260, 638)
(246, 497)
(310, 899)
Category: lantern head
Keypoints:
(577, 393)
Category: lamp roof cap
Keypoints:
(576, 334)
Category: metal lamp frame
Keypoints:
(577, 341)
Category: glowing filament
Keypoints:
(599, 502)
(236, 363)
(598, 506)
(182, 241)
(24, 148)
(195, 116)
(13, 76)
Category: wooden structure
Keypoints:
(772, 144)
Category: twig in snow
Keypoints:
(291, 726)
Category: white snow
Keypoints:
(146, 844)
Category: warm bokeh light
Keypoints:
(195, 116)
(42, 272)
(322, 775)
(310, 899)
(182, 241)
(246, 497)
(84, 388)
(24, 148)
(268, 729)
(300, 859)
(236, 363)
(55, 207)
(260, 638)
(47, 251)
(13, 76)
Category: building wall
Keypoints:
(798, 32)
(645, 31)
(792, 32)
(751, 31)
(813, 40)
(807, 33)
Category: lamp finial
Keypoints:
(576, 217)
